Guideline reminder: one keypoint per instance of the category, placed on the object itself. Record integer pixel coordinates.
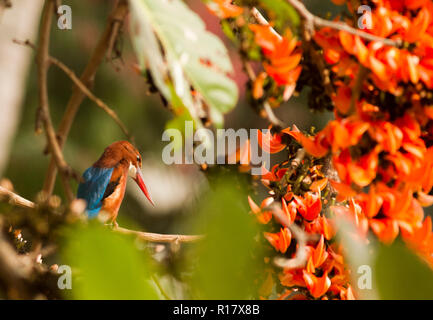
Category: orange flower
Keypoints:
(258, 85)
(319, 185)
(224, 9)
(342, 99)
(387, 135)
(269, 142)
(317, 285)
(280, 240)
(317, 146)
(385, 229)
(309, 206)
(347, 294)
(292, 277)
(275, 174)
(345, 133)
(317, 257)
(283, 59)
(371, 203)
(262, 216)
(289, 210)
(421, 238)
(362, 172)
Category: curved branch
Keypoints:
(43, 116)
(261, 20)
(313, 20)
(71, 74)
(15, 199)
(118, 14)
(91, 96)
(158, 237)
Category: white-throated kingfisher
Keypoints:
(104, 182)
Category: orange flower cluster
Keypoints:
(380, 143)
(324, 275)
(282, 53)
(381, 139)
(224, 9)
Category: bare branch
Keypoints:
(43, 114)
(312, 20)
(118, 14)
(91, 96)
(261, 20)
(163, 238)
(14, 199)
(71, 74)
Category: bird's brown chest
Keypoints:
(114, 194)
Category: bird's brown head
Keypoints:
(119, 153)
(124, 154)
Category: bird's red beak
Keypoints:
(139, 179)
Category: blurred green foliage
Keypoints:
(106, 265)
(225, 266)
(400, 274)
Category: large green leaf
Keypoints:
(171, 42)
(106, 265)
(225, 266)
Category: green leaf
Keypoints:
(400, 274)
(171, 42)
(225, 267)
(106, 265)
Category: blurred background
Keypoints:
(175, 189)
(179, 191)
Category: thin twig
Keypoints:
(43, 114)
(313, 20)
(14, 199)
(91, 96)
(261, 20)
(162, 238)
(71, 74)
(118, 14)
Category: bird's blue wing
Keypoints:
(93, 188)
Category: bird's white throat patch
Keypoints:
(132, 170)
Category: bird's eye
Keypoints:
(138, 159)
